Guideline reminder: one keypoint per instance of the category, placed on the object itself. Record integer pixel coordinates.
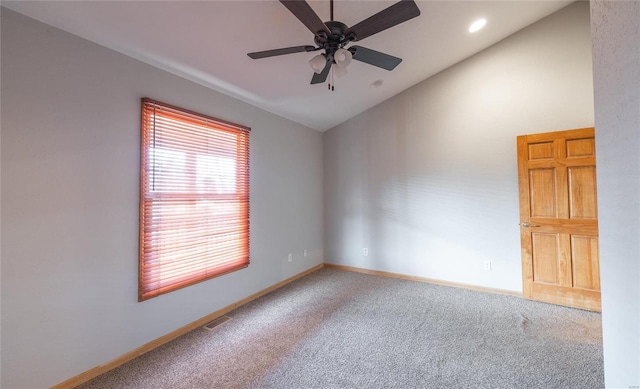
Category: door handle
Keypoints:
(527, 225)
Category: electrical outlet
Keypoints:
(365, 252)
(304, 252)
(290, 258)
(487, 265)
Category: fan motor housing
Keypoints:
(336, 36)
(335, 40)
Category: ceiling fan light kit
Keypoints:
(333, 37)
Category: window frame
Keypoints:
(149, 260)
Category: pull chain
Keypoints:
(331, 85)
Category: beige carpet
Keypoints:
(338, 329)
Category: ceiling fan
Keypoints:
(334, 36)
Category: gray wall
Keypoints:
(428, 179)
(70, 157)
(615, 30)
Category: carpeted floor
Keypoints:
(338, 329)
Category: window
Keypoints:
(194, 199)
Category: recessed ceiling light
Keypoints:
(376, 83)
(477, 25)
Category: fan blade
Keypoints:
(286, 50)
(322, 77)
(303, 11)
(398, 13)
(375, 58)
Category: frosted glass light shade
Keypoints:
(339, 71)
(318, 63)
(342, 58)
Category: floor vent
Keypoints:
(216, 323)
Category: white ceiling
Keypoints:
(208, 41)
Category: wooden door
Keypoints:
(559, 218)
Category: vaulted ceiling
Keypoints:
(208, 41)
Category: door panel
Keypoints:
(582, 192)
(586, 264)
(546, 260)
(558, 218)
(542, 150)
(543, 182)
(581, 148)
